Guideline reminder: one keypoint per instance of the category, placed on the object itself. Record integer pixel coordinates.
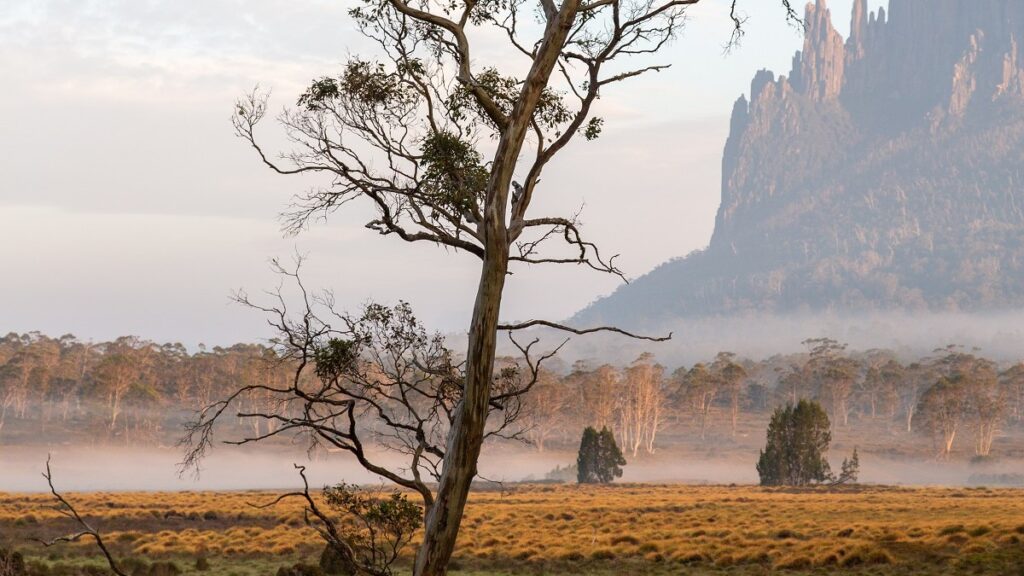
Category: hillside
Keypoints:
(883, 172)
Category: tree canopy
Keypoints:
(798, 439)
(599, 461)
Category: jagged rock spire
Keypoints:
(858, 28)
(884, 173)
(824, 56)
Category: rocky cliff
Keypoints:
(885, 171)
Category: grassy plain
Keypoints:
(549, 529)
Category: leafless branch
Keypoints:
(67, 510)
(579, 331)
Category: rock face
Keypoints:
(884, 172)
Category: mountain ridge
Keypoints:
(883, 172)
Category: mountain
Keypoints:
(884, 172)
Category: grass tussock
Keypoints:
(561, 529)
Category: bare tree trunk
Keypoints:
(947, 446)
(115, 409)
(653, 430)
(734, 406)
(467, 432)
(985, 435)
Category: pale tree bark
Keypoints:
(545, 410)
(642, 404)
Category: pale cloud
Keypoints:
(127, 205)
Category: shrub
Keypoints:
(383, 525)
(567, 473)
(797, 440)
(202, 564)
(599, 459)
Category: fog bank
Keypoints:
(999, 335)
(123, 469)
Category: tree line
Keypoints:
(129, 389)
(950, 397)
(135, 391)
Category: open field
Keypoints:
(548, 529)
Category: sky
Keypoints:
(127, 206)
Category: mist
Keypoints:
(104, 468)
(998, 335)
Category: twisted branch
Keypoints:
(67, 510)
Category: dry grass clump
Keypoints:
(581, 529)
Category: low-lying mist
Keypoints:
(133, 469)
(999, 335)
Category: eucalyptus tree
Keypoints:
(431, 135)
(835, 373)
(1012, 382)
(699, 387)
(967, 391)
(732, 376)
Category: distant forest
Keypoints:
(132, 391)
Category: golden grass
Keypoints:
(716, 528)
